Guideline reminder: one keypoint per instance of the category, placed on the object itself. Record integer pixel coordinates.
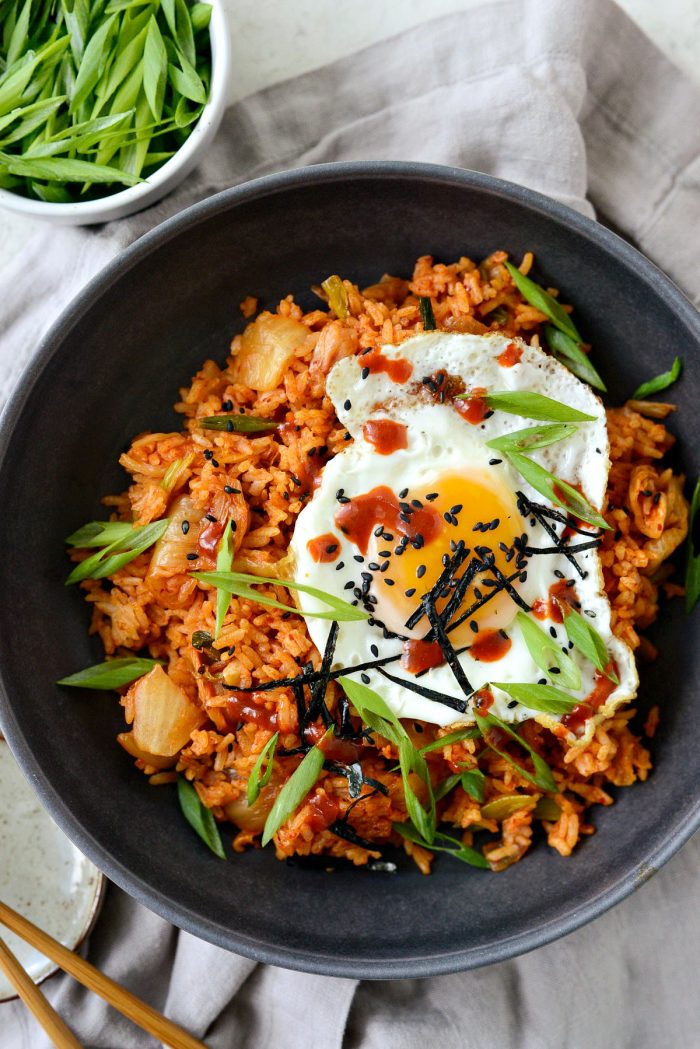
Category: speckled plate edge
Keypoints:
(171, 909)
(98, 896)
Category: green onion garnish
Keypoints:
(545, 698)
(257, 781)
(452, 846)
(532, 406)
(109, 560)
(295, 790)
(547, 654)
(97, 94)
(572, 357)
(236, 423)
(426, 313)
(112, 674)
(199, 817)
(241, 584)
(692, 565)
(543, 301)
(588, 641)
(661, 382)
(224, 561)
(556, 490)
(542, 777)
(532, 438)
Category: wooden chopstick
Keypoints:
(124, 1001)
(61, 1036)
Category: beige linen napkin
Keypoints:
(569, 98)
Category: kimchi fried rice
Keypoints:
(211, 714)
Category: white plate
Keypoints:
(42, 874)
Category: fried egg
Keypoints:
(417, 485)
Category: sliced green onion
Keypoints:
(588, 641)
(256, 781)
(450, 738)
(236, 423)
(99, 533)
(199, 817)
(507, 805)
(532, 438)
(109, 560)
(412, 761)
(454, 846)
(426, 313)
(661, 382)
(111, 674)
(532, 406)
(544, 698)
(295, 790)
(241, 584)
(224, 561)
(692, 564)
(572, 357)
(543, 301)
(556, 490)
(542, 777)
(546, 653)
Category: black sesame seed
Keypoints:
(366, 678)
(420, 571)
(474, 627)
(373, 566)
(448, 516)
(456, 508)
(558, 573)
(410, 592)
(341, 564)
(210, 517)
(417, 503)
(385, 553)
(208, 454)
(379, 531)
(295, 479)
(542, 681)
(343, 499)
(185, 526)
(332, 548)
(367, 576)
(432, 496)
(403, 493)
(387, 536)
(349, 585)
(554, 670)
(374, 650)
(227, 406)
(364, 373)
(358, 557)
(552, 632)
(495, 462)
(405, 518)
(228, 489)
(347, 436)
(513, 703)
(389, 582)
(215, 464)
(192, 557)
(347, 405)
(233, 525)
(383, 566)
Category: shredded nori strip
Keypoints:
(455, 562)
(348, 833)
(318, 689)
(447, 648)
(527, 509)
(355, 777)
(459, 705)
(578, 548)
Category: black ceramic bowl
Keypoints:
(111, 367)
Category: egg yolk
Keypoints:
(474, 507)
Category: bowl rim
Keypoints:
(164, 178)
(173, 911)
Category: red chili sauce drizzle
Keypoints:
(490, 646)
(483, 700)
(398, 369)
(510, 356)
(597, 697)
(421, 655)
(385, 435)
(475, 409)
(560, 595)
(209, 538)
(324, 811)
(324, 548)
(240, 706)
(335, 748)
(358, 518)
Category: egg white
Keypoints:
(440, 441)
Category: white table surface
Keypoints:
(276, 39)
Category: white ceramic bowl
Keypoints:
(170, 174)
